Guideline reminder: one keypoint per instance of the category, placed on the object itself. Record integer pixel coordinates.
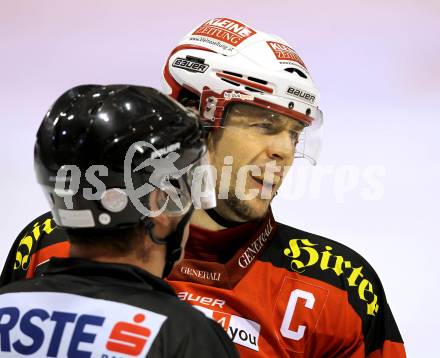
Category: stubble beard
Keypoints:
(246, 210)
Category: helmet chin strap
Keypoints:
(173, 241)
(214, 215)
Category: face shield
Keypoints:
(310, 139)
(222, 110)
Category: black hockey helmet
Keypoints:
(101, 150)
(85, 139)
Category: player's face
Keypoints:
(261, 144)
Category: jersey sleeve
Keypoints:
(381, 333)
(34, 245)
(367, 296)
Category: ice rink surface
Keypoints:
(376, 63)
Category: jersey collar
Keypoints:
(113, 271)
(221, 258)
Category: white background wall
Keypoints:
(377, 64)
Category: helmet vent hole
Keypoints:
(252, 89)
(233, 74)
(263, 82)
(308, 111)
(231, 82)
(297, 71)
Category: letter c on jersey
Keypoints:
(290, 311)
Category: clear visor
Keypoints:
(281, 135)
(310, 140)
(179, 185)
(193, 185)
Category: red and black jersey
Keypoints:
(276, 290)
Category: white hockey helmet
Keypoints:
(224, 61)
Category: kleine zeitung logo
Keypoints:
(227, 30)
(285, 53)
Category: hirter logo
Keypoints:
(230, 31)
(285, 53)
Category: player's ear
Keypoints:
(156, 203)
(164, 221)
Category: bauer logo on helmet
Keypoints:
(191, 64)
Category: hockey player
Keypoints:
(285, 292)
(108, 300)
(277, 291)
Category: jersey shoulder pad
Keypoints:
(329, 261)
